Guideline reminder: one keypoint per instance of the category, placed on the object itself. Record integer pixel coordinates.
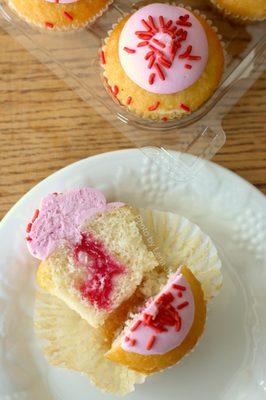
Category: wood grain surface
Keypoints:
(45, 126)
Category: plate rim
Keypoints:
(130, 152)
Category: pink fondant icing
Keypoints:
(62, 1)
(61, 217)
(182, 72)
(136, 341)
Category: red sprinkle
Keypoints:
(159, 43)
(164, 119)
(127, 339)
(188, 66)
(183, 305)
(68, 16)
(35, 216)
(135, 326)
(161, 21)
(149, 54)
(102, 57)
(115, 90)
(151, 79)
(129, 100)
(150, 342)
(151, 62)
(159, 71)
(128, 50)
(165, 298)
(178, 287)
(142, 44)
(186, 53)
(49, 25)
(28, 238)
(180, 294)
(146, 25)
(132, 342)
(154, 106)
(147, 318)
(194, 58)
(169, 23)
(166, 63)
(178, 323)
(157, 51)
(152, 23)
(184, 107)
(29, 226)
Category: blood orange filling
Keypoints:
(101, 269)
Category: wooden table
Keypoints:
(44, 126)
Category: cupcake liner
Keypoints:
(160, 114)
(176, 241)
(68, 28)
(68, 341)
(235, 17)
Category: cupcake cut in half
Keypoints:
(242, 10)
(61, 15)
(93, 254)
(162, 62)
(131, 315)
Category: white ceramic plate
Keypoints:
(230, 361)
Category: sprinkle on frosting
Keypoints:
(155, 45)
(165, 321)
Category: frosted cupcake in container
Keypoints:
(62, 15)
(243, 10)
(163, 61)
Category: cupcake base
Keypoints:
(59, 17)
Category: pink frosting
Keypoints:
(136, 340)
(62, 1)
(61, 217)
(178, 73)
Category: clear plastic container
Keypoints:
(74, 57)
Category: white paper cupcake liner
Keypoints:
(68, 341)
(64, 29)
(176, 241)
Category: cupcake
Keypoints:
(130, 287)
(61, 15)
(162, 62)
(244, 10)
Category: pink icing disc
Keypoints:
(182, 303)
(61, 217)
(140, 37)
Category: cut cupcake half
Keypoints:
(166, 329)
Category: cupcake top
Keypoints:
(163, 48)
(61, 217)
(165, 321)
